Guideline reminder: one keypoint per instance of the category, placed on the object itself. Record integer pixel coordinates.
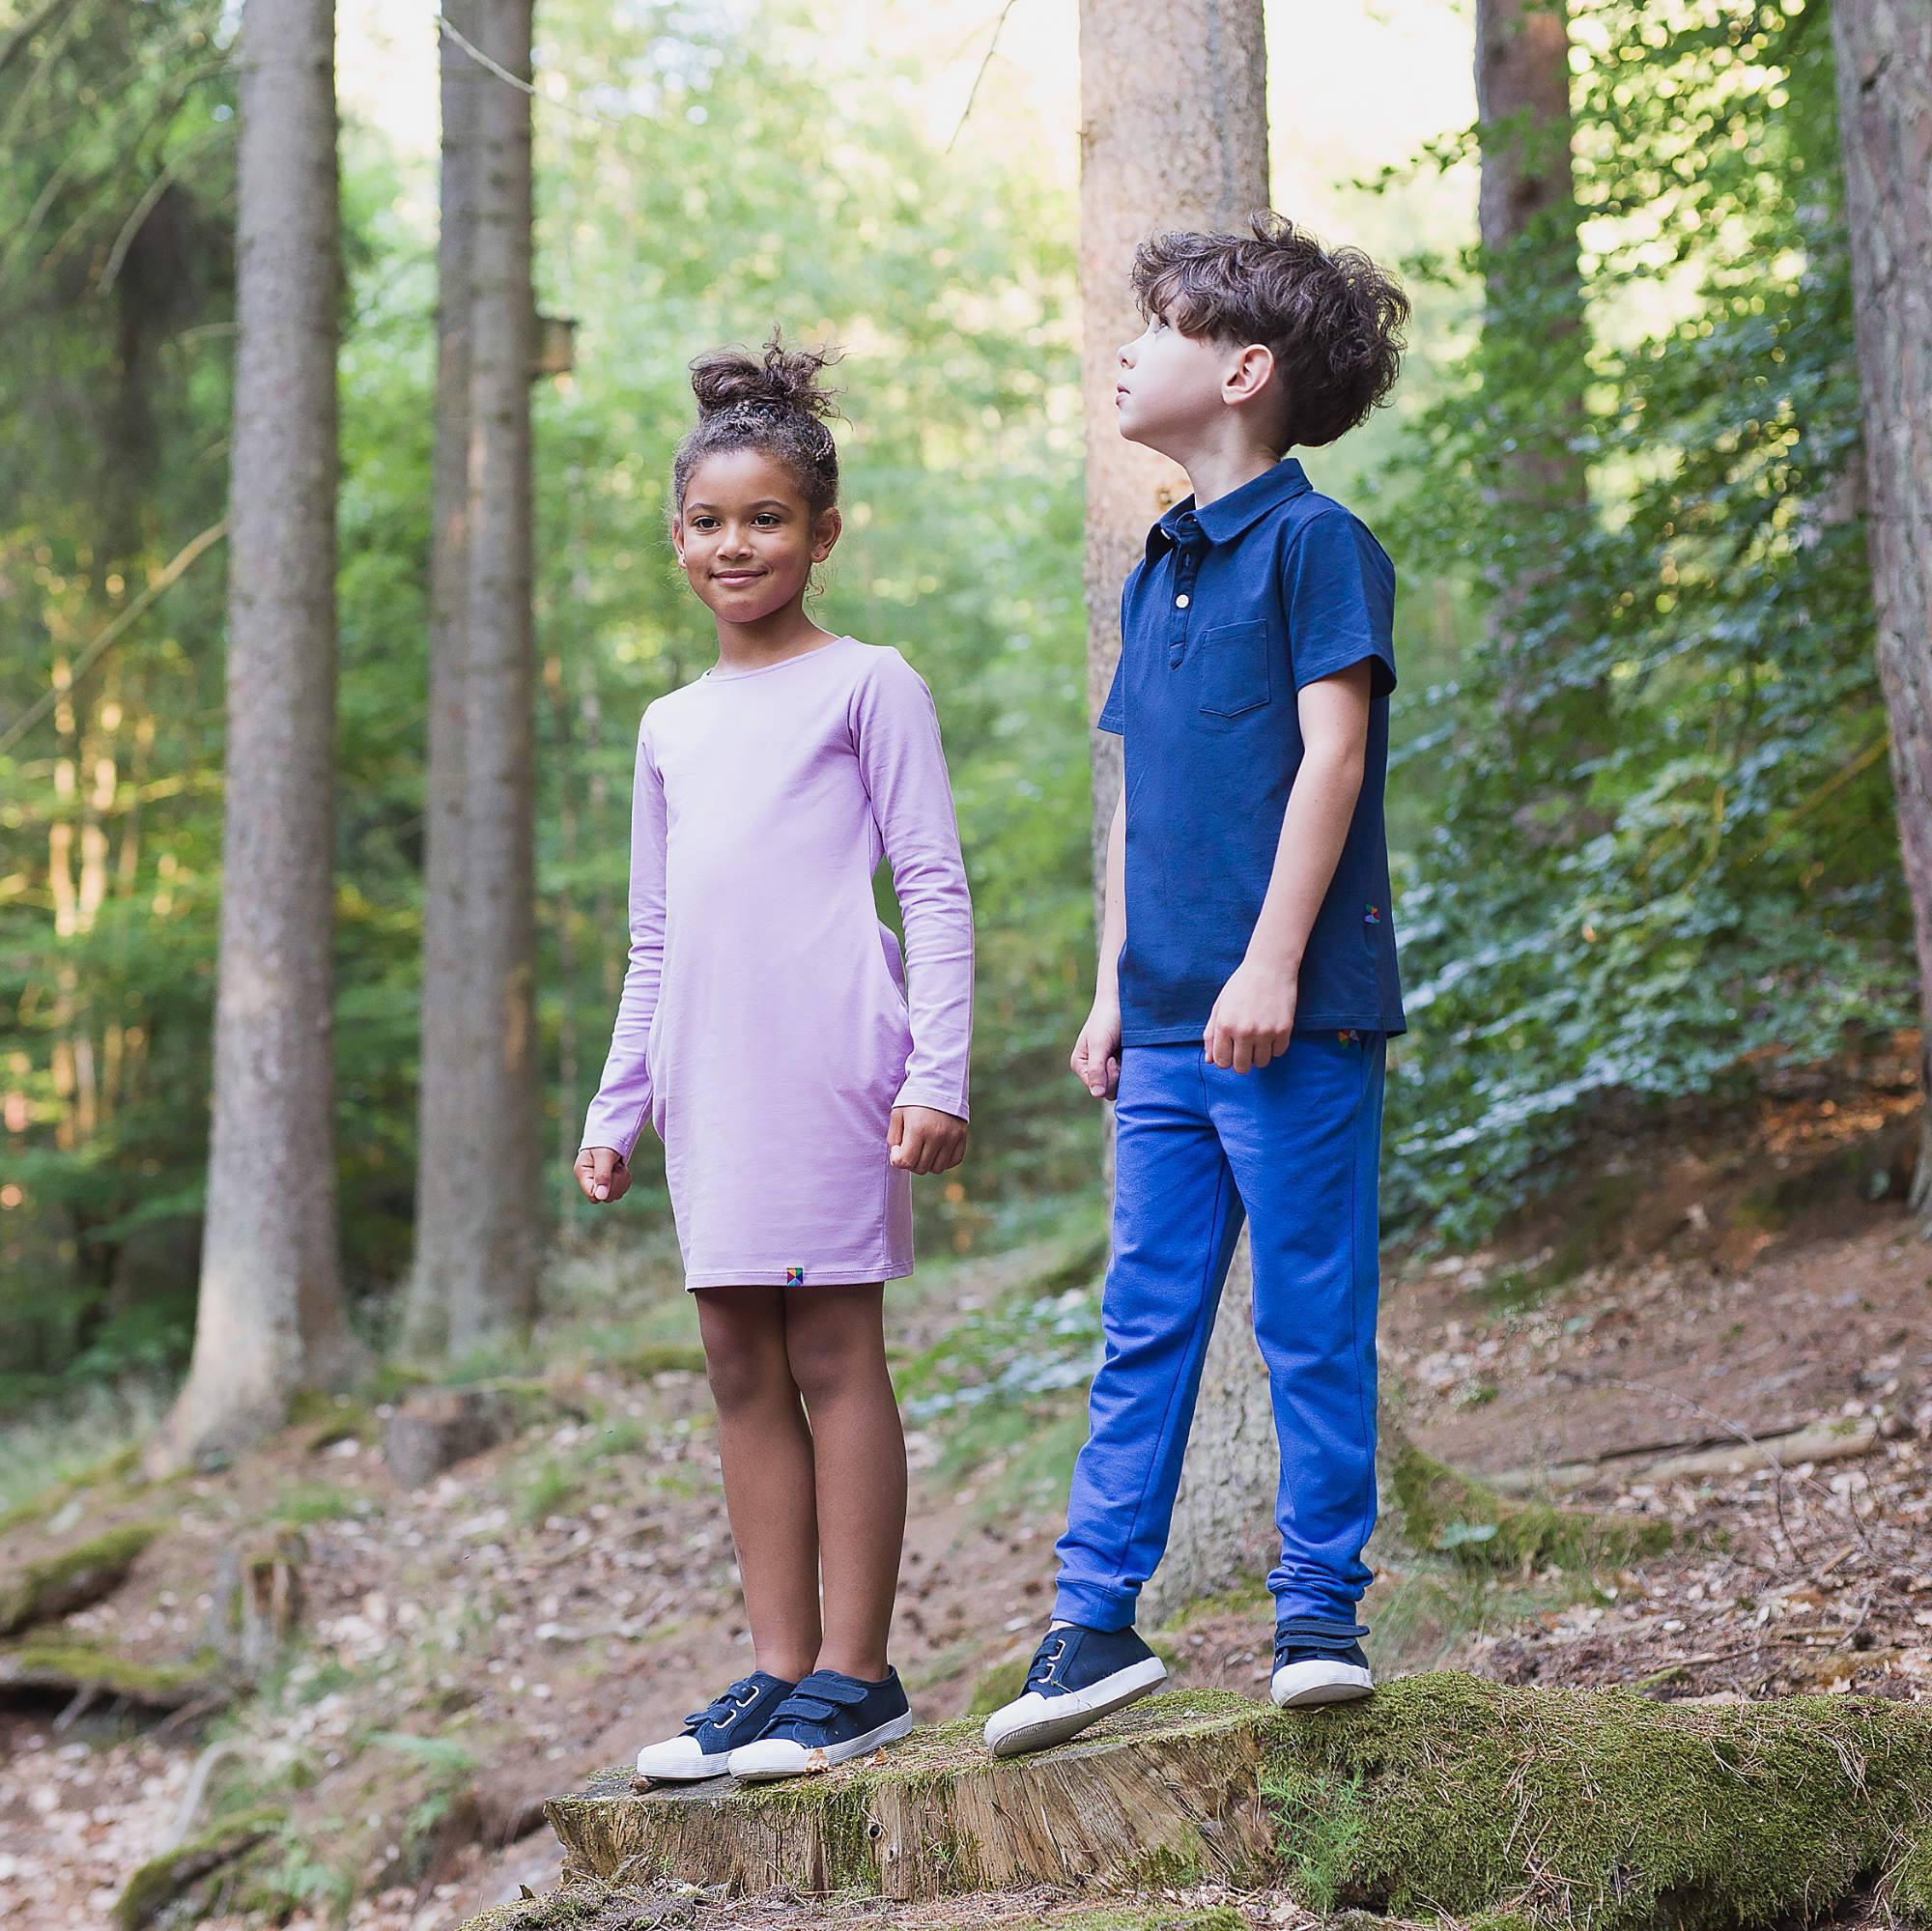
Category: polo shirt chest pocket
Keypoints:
(1235, 670)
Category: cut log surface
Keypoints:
(1171, 1785)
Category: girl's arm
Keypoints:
(623, 1101)
(896, 731)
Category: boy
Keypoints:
(1247, 979)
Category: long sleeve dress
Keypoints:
(768, 1025)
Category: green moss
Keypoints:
(1452, 1795)
(38, 1663)
(1909, 1889)
(75, 1576)
(1480, 1529)
(160, 1881)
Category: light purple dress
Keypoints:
(765, 1027)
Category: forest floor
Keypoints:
(467, 1648)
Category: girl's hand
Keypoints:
(603, 1175)
(926, 1141)
(1096, 1059)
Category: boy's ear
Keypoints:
(824, 532)
(1249, 374)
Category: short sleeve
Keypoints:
(1338, 589)
(1112, 713)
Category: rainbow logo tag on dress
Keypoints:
(794, 1277)
(1347, 1037)
(1373, 916)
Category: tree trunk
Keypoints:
(1174, 134)
(270, 1317)
(441, 1093)
(1885, 127)
(1533, 323)
(495, 1240)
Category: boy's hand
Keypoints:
(926, 1141)
(603, 1174)
(1096, 1059)
(1253, 1018)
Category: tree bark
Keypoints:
(495, 1239)
(441, 1093)
(1884, 128)
(269, 1316)
(1533, 323)
(1174, 134)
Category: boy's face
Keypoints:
(1171, 388)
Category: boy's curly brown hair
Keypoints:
(1333, 320)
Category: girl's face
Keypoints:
(746, 537)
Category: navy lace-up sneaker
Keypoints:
(1316, 1661)
(1078, 1676)
(826, 1719)
(704, 1745)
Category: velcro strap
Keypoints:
(820, 1694)
(1318, 1632)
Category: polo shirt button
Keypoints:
(1181, 603)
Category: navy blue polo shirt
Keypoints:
(1235, 608)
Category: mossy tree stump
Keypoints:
(1171, 1786)
(1440, 1794)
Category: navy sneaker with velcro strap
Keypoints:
(1319, 1661)
(829, 1718)
(1077, 1676)
(704, 1745)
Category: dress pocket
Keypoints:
(1235, 670)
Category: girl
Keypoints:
(768, 1031)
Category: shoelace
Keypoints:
(727, 1708)
(1044, 1662)
(816, 1700)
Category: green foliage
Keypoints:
(1443, 1511)
(1664, 859)
(951, 288)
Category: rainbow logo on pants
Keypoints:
(794, 1277)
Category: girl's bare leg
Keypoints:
(766, 1453)
(834, 1340)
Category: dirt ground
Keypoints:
(476, 1644)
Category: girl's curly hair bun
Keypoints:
(781, 380)
(774, 402)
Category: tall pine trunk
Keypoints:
(269, 1316)
(1174, 134)
(442, 1089)
(1533, 340)
(497, 1183)
(1884, 128)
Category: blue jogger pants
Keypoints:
(1293, 1149)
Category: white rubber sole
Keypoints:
(679, 1760)
(1302, 1686)
(785, 1756)
(1037, 1722)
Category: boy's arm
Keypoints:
(1097, 1053)
(1255, 1013)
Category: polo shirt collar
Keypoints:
(1227, 516)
